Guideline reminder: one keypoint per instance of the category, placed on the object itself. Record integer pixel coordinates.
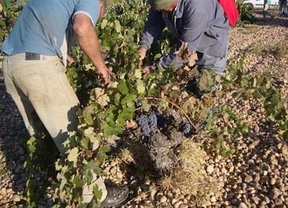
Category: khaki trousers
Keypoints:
(41, 86)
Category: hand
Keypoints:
(148, 69)
(70, 60)
(106, 75)
(142, 53)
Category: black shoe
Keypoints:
(115, 196)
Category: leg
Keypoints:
(45, 84)
(211, 62)
(217, 64)
(23, 104)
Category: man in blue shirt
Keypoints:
(35, 55)
(198, 25)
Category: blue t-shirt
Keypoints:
(42, 24)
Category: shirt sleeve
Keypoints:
(88, 7)
(195, 20)
(153, 28)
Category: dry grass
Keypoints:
(126, 156)
(189, 176)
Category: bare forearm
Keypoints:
(89, 43)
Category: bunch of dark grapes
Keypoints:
(152, 118)
(186, 129)
(143, 122)
(202, 125)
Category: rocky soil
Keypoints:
(256, 175)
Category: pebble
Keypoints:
(177, 204)
(163, 199)
(242, 205)
(16, 198)
(210, 169)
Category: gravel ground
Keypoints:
(255, 176)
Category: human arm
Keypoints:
(152, 30)
(194, 22)
(88, 41)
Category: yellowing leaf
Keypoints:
(73, 154)
(140, 86)
(101, 97)
(145, 105)
(104, 23)
(112, 139)
(117, 26)
(95, 143)
(189, 104)
(138, 73)
(113, 85)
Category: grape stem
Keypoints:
(175, 105)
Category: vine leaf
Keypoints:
(112, 139)
(101, 97)
(87, 115)
(140, 87)
(95, 143)
(117, 26)
(77, 181)
(189, 104)
(72, 156)
(103, 23)
(138, 74)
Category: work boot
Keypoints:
(115, 196)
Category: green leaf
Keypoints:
(117, 98)
(97, 192)
(31, 144)
(77, 181)
(285, 135)
(85, 142)
(112, 128)
(122, 87)
(128, 100)
(102, 154)
(88, 115)
(94, 165)
(125, 114)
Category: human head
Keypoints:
(163, 5)
(102, 8)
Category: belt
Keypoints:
(32, 56)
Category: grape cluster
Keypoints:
(147, 121)
(202, 124)
(152, 118)
(143, 122)
(186, 129)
